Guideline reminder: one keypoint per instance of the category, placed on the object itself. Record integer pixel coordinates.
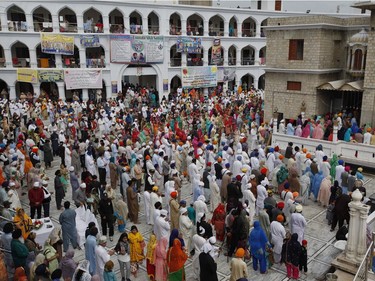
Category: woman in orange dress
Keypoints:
(176, 259)
(23, 222)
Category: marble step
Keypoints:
(342, 263)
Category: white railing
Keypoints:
(366, 264)
(355, 153)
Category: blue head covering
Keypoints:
(173, 236)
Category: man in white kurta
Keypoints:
(261, 195)
(162, 227)
(277, 238)
(186, 228)
(298, 223)
(101, 257)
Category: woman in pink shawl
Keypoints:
(318, 132)
(161, 260)
(298, 131)
(306, 130)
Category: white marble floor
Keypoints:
(320, 240)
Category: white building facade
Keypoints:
(243, 43)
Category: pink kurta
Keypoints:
(161, 260)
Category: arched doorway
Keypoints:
(175, 24)
(2, 57)
(20, 55)
(248, 55)
(98, 95)
(195, 59)
(233, 27)
(262, 82)
(50, 90)
(42, 20)
(175, 83)
(216, 26)
(232, 55)
(175, 56)
(216, 59)
(153, 24)
(194, 25)
(71, 61)
(144, 76)
(45, 60)
(116, 22)
(95, 57)
(71, 95)
(16, 19)
(93, 21)
(25, 88)
(135, 23)
(249, 27)
(247, 82)
(68, 20)
(4, 90)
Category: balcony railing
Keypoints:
(70, 63)
(46, 63)
(95, 63)
(216, 32)
(175, 62)
(153, 30)
(248, 32)
(21, 62)
(232, 61)
(136, 29)
(194, 62)
(366, 264)
(17, 26)
(68, 27)
(174, 30)
(233, 32)
(247, 61)
(43, 26)
(116, 28)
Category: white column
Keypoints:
(58, 61)
(33, 61)
(257, 30)
(145, 25)
(183, 59)
(226, 28)
(85, 94)
(256, 57)
(8, 57)
(239, 29)
(82, 58)
(56, 23)
(12, 92)
(61, 88)
(205, 57)
(4, 22)
(29, 22)
(126, 25)
(238, 56)
(105, 24)
(80, 23)
(206, 28)
(335, 130)
(363, 60)
(225, 57)
(108, 89)
(255, 83)
(183, 27)
(274, 125)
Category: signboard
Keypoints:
(165, 85)
(226, 74)
(51, 75)
(191, 45)
(199, 77)
(137, 49)
(216, 52)
(27, 75)
(88, 41)
(57, 44)
(83, 79)
(114, 87)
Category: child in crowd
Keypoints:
(303, 258)
(109, 275)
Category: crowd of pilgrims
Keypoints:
(246, 197)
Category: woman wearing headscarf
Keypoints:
(258, 241)
(218, 220)
(334, 162)
(336, 191)
(161, 260)
(56, 240)
(23, 222)
(150, 257)
(207, 264)
(348, 135)
(176, 235)
(293, 253)
(176, 259)
(51, 256)
(325, 191)
(121, 213)
(68, 265)
(122, 250)
(39, 259)
(82, 272)
(306, 130)
(137, 245)
(318, 178)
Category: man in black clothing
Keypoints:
(289, 151)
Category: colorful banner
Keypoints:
(89, 41)
(51, 75)
(226, 74)
(165, 85)
(216, 52)
(57, 44)
(27, 75)
(114, 87)
(191, 45)
(83, 79)
(137, 49)
(199, 77)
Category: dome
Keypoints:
(359, 38)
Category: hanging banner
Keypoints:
(27, 75)
(137, 49)
(190, 45)
(83, 79)
(57, 44)
(114, 87)
(226, 74)
(51, 75)
(89, 41)
(216, 52)
(199, 77)
(165, 85)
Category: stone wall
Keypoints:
(319, 19)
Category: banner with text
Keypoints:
(190, 45)
(27, 75)
(216, 52)
(57, 44)
(199, 77)
(51, 75)
(226, 74)
(137, 49)
(89, 41)
(83, 79)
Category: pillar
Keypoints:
(225, 57)
(274, 122)
(256, 57)
(12, 92)
(61, 87)
(226, 28)
(55, 23)
(126, 25)
(348, 58)
(238, 56)
(183, 59)
(58, 61)
(183, 27)
(206, 28)
(145, 25)
(80, 23)
(82, 58)
(85, 94)
(8, 57)
(257, 30)
(4, 22)
(356, 246)
(255, 83)
(33, 60)
(239, 29)
(335, 130)
(105, 24)
(205, 57)
(29, 22)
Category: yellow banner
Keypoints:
(27, 75)
(57, 44)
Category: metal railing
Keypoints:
(366, 264)
(17, 26)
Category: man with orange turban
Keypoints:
(174, 210)
(277, 237)
(238, 267)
